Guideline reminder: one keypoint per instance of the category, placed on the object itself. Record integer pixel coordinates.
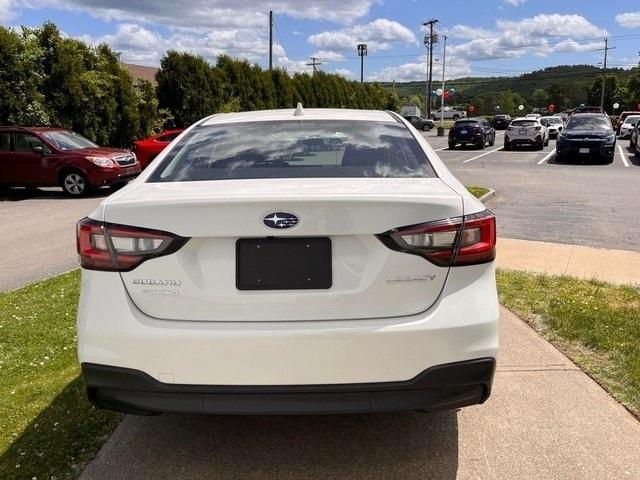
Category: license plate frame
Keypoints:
(284, 263)
(584, 150)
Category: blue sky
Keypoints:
(485, 38)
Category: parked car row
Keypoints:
(49, 157)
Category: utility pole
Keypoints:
(315, 63)
(362, 52)
(429, 40)
(604, 79)
(444, 64)
(270, 39)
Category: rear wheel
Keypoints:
(493, 141)
(426, 127)
(481, 144)
(507, 145)
(75, 184)
(452, 145)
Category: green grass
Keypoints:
(47, 427)
(595, 323)
(477, 191)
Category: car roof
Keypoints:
(528, 119)
(307, 114)
(590, 114)
(32, 129)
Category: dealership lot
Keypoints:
(539, 199)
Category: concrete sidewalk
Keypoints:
(545, 419)
(616, 266)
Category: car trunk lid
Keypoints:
(367, 279)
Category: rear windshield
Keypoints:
(294, 149)
(524, 123)
(631, 120)
(465, 122)
(550, 121)
(588, 122)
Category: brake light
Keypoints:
(468, 240)
(538, 128)
(112, 247)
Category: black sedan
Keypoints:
(472, 131)
(587, 136)
(501, 122)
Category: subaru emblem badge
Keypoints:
(280, 220)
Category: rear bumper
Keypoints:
(462, 325)
(440, 387)
(566, 149)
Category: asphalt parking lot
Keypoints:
(538, 199)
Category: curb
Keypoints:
(490, 194)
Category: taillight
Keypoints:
(510, 128)
(112, 247)
(538, 128)
(458, 241)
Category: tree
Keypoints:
(540, 98)
(595, 92)
(507, 102)
(184, 87)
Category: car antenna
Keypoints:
(299, 110)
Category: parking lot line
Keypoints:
(547, 157)
(482, 155)
(440, 149)
(624, 157)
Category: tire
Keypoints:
(482, 144)
(74, 183)
(558, 158)
(452, 146)
(426, 127)
(507, 146)
(493, 141)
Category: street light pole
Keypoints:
(444, 64)
(362, 52)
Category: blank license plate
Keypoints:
(463, 132)
(584, 150)
(522, 131)
(283, 263)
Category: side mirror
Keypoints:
(40, 150)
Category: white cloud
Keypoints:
(215, 13)
(345, 72)
(5, 11)
(515, 3)
(413, 71)
(629, 20)
(380, 34)
(541, 35)
(328, 56)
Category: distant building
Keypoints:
(140, 72)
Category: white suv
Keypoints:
(287, 261)
(526, 131)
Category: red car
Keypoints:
(149, 148)
(45, 156)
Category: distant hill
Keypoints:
(573, 81)
(140, 72)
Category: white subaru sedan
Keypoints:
(288, 262)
